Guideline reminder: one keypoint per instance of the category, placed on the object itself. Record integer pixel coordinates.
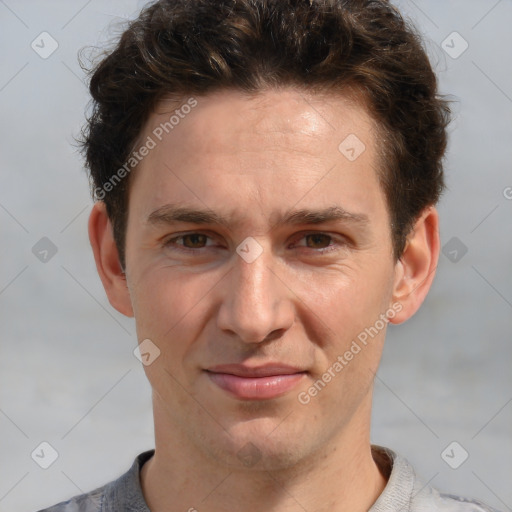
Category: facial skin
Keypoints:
(253, 160)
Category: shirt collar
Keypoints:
(125, 493)
(397, 494)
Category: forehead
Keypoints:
(230, 119)
(271, 150)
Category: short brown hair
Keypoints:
(178, 48)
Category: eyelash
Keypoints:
(170, 242)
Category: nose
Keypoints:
(256, 304)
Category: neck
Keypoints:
(341, 476)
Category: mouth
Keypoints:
(255, 383)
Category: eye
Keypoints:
(188, 241)
(195, 242)
(321, 242)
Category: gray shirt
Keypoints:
(403, 492)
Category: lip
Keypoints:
(255, 383)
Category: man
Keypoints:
(266, 174)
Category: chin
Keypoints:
(263, 444)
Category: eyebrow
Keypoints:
(172, 214)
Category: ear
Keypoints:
(107, 259)
(415, 270)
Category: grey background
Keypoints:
(68, 375)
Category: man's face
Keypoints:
(280, 301)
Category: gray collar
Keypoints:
(127, 492)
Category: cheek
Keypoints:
(167, 311)
(349, 352)
(168, 305)
(350, 300)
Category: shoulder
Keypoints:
(88, 502)
(405, 492)
(431, 499)
(125, 493)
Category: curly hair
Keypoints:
(179, 48)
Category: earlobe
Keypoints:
(415, 270)
(106, 257)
